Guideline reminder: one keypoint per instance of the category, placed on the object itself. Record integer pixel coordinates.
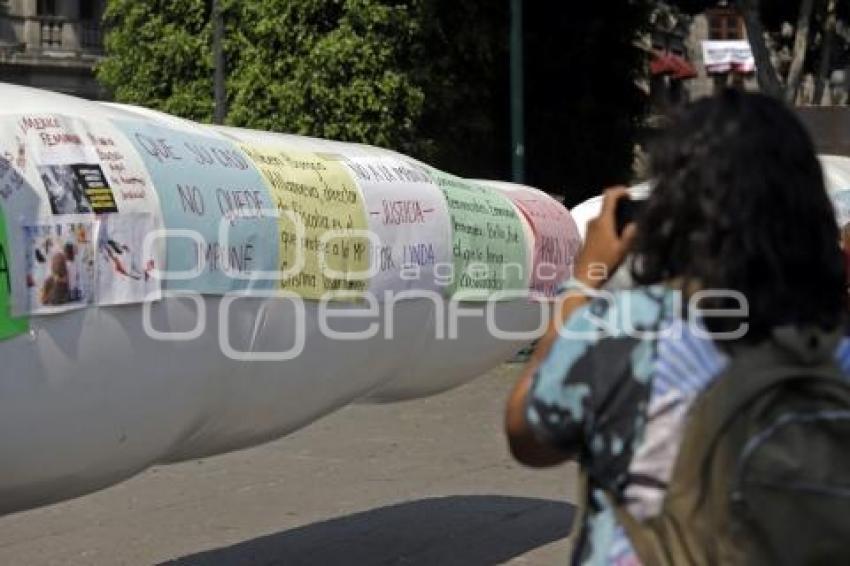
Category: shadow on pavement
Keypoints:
(463, 529)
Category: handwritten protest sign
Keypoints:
(20, 198)
(407, 214)
(316, 192)
(556, 238)
(209, 187)
(488, 244)
(125, 269)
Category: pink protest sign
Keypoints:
(556, 237)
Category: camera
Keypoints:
(627, 211)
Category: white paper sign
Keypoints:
(407, 213)
(729, 55)
(124, 269)
(55, 169)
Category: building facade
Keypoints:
(685, 39)
(52, 44)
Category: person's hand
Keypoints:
(604, 250)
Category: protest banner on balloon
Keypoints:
(75, 168)
(556, 237)
(9, 326)
(324, 242)
(19, 200)
(223, 232)
(125, 267)
(407, 214)
(488, 244)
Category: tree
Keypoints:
(463, 69)
(151, 43)
(830, 20)
(339, 69)
(814, 47)
(801, 42)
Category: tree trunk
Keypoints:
(801, 43)
(826, 51)
(766, 75)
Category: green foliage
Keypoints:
(340, 69)
(335, 69)
(159, 56)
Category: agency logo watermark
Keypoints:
(518, 315)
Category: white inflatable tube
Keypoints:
(99, 384)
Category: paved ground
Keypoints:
(423, 482)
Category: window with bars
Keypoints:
(724, 24)
(51, 34)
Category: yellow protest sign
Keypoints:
(323, 242)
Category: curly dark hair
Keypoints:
(739, 202)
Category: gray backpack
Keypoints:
(763, 474)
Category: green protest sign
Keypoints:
(488, 241)
(9, 325)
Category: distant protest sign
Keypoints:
(488, 240)
(407, 214)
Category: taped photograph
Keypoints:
(60, 265)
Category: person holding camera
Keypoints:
(708, 407)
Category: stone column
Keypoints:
(69, 10)
(32, 28)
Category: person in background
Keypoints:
(70, 251)
(56, 289)
(739, 204)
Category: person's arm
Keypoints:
(522, 441)
(602, 253)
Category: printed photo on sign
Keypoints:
(123, 270)
(60, 265)
(77, 189)
(96, 188)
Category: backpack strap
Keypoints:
(643, 540)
